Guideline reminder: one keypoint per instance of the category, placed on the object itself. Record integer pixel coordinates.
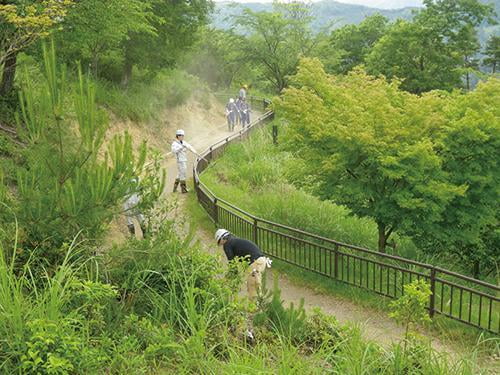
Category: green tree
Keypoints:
(368, 145)
(492, 53)
(94, 30)
(177, 25)
(70, 183)
(469, 147)
(431, 51)
(354, 42)
(216, 57)
(469, 44)
(276, 40)
(21, 24)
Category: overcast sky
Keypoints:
(387, 4)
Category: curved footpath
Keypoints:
(375, 325)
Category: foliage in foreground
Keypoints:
(160, 305)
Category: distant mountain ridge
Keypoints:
(324, 12)
(385, 4)
(328, 11)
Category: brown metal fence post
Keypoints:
(336, 262)
(255, 222)
(275, 134)
(433, 291)
(215, 212)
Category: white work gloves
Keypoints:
(269, 262)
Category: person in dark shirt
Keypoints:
(239, 247)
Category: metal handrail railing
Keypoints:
(465, 300)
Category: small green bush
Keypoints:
(410, 308)
(55, 348)
(156, 341)
(289, 323)
(324, 331)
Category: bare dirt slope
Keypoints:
(204, 126)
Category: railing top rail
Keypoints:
(353, 247)
(228, 139)
(231, 94)
(237, 208)
(466, 288)
(208, 191)
(467, 278)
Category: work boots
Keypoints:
(183, 187)
(176, 183)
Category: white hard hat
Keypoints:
(220, 234)
(231, 100)
(179, 132)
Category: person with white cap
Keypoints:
(244, 113)
(179, 149)
(231, 113)
(239, 247)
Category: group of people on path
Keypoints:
(238, 111)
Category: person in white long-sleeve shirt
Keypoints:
(132, 211)
(179, 149)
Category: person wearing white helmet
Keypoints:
(239, 247)
(244, 108)
(231, 113)
(179, 149)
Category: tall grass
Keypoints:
(145, 99)
(26, 297)
(166, 308)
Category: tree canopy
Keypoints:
(276, 40)
(354, 42)
(21, 24)
(492, 53)
(431, 51)
(394, 156)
